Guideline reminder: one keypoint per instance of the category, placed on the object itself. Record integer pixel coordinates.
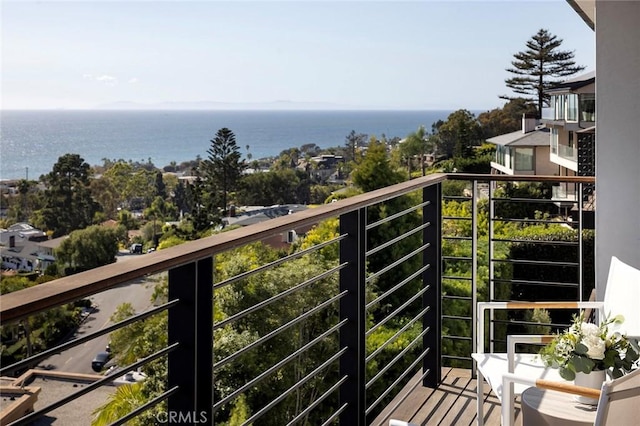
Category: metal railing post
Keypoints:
(190, 367)
(352, 307)
(492, 266)
(432, 277)
(580, 243)
(474, 270)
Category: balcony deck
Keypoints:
(452, 403)
(353, 365)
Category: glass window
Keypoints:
(572, 107)
(560, 101)
(588, 107)
(501, 155)
(524, 159)
(554, 140)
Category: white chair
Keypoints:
(618, 400)
(621, 298)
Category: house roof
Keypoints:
(53, 243)
(22, 231)
(586, 9)
(538, 137)
(28, 251)
(574, 83)
(260, 214)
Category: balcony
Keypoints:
(571, 111)
(355, 345)
(564, 193)
(568, 152)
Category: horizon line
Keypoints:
(241, 109)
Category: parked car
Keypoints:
(135, 248)
(99, 361)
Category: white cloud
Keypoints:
(107, 80)
(133, 80)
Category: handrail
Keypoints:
(35, 299)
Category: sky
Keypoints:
(329, 54)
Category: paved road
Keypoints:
(78, 359)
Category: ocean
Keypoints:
(32, 141)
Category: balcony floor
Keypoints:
(452, 403)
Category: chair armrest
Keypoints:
(508, 379)
(483, 306)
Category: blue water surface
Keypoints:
(32, 141)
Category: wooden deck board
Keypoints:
(452, 403)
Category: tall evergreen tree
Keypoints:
(181, 198)
(353, 141)
(224, 165)
(203, 215)
(160, 187)
(540, 67)
(68, 202)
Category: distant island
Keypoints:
(282, 105)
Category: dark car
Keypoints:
(99, 361)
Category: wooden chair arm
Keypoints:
(567, 387)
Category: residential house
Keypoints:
(523, 152)
(256, 214)
(326, 167)
(571, 119)
(25, 248)
(48, 248)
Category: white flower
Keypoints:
(596, 346)
(590, 329)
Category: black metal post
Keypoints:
(352, 307)
(432, 277)
(190, 366)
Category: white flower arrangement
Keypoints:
(585, 347)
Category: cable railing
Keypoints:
(329, 332)
(506, 260)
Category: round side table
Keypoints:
(549, 408)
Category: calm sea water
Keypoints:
(32, 141)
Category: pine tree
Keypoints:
(223, 167)
(68, 204)
(540, 67)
